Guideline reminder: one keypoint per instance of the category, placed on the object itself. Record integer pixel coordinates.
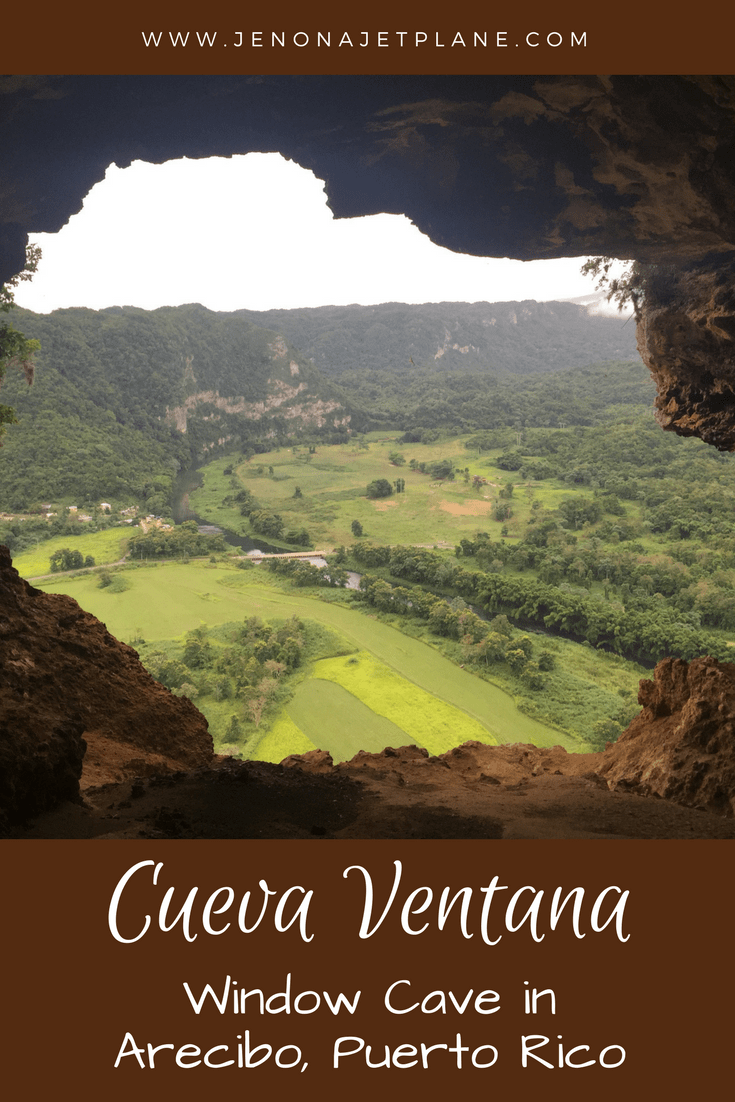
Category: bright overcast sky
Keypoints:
(255, 232)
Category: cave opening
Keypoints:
(555, 167)
(254, 231)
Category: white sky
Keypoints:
(255, 232)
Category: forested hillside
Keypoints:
(515, 338)
(431, 401)
(123, 398)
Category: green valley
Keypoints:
(529, 542)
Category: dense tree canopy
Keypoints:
(499, 338)
(15, 349)
(116, 388)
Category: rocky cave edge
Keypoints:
(527, 167)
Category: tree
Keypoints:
(267, 524)
(257, 703)
(510, 461)
(67, 559)
(299, 536)
(234, 730)
(397, 459)
(197, 651)
(356, 528)
(15, 349)
(516, 658)
(381, 487)
(604, 731)
(637, 283)
(221, 687)
(290, 653)
(442, 468)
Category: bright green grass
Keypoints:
(165, 601)
(284, 738)
(586, 684)
(336, 721)
(161, 603)
(424, 719)
(105, 547)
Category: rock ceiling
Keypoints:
(526, 167)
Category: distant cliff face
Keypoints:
(66, 687)
(112, 384)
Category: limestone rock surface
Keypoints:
(687, 341)
(682, 744)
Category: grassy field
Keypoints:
(106, 546)
(335, 720)
(165, 601)
(356, 702)
(162, 601)
(284, 738)
(419, 715)
(333, 481)
(584, 687)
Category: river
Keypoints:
(189, 480)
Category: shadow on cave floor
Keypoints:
(261, 801)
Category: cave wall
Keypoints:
(526, 167)
(686, 338)
(68, 688)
